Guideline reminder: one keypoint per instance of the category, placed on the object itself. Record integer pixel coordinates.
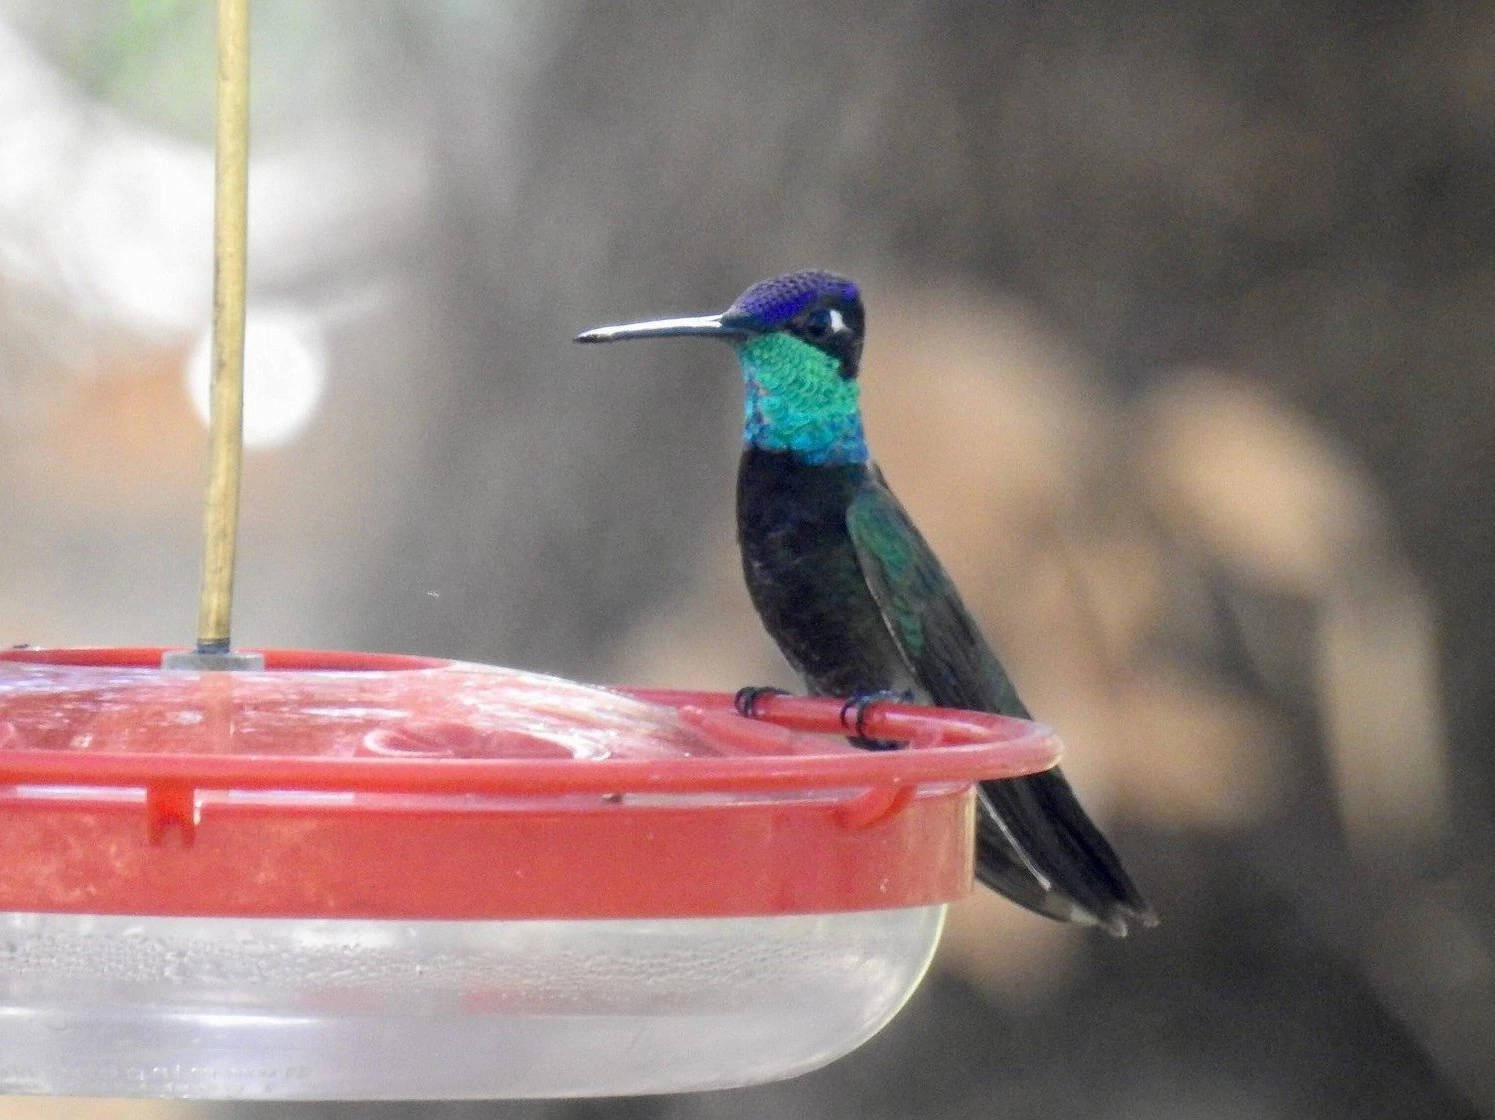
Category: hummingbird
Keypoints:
(854, 596)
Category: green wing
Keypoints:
(1034, 842)
(933, 630)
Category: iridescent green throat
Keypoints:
(796, 400)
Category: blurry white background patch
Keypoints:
(285, 373)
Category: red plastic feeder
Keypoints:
(375, 876)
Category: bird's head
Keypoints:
(799, 341)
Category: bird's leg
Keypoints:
(854, 716)
(746, 700)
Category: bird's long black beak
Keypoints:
(712, 326)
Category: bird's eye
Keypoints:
(823, 322)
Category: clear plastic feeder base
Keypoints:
(289, 1008)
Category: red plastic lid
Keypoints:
(343, 785)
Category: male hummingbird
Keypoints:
(854, 597)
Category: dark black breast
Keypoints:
(803, 576)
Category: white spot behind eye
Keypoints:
(838, 324)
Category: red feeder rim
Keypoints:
(351, 785)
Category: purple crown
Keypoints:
(774, 302)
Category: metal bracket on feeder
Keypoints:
(197, 660)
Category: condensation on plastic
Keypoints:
(287, 1009)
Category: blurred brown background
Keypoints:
(1181, 352)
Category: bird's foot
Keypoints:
(746, 700)
(854, 716)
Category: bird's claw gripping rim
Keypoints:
(854, 716)
(746, 699)
(853, 713)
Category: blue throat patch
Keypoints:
(796, 400)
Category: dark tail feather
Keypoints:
(1035, 845)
